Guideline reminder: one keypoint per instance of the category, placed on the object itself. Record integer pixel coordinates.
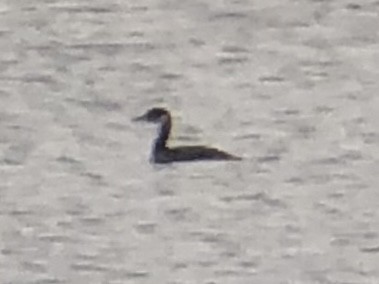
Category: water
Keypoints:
(289, 85)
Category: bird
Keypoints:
(163, 154)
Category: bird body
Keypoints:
(161, 153)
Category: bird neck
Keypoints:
(164, 133)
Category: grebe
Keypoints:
(163, 154)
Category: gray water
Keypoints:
(292, 86)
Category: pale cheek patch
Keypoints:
(164, 118)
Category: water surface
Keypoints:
(289, 85)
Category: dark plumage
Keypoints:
(163, 154)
